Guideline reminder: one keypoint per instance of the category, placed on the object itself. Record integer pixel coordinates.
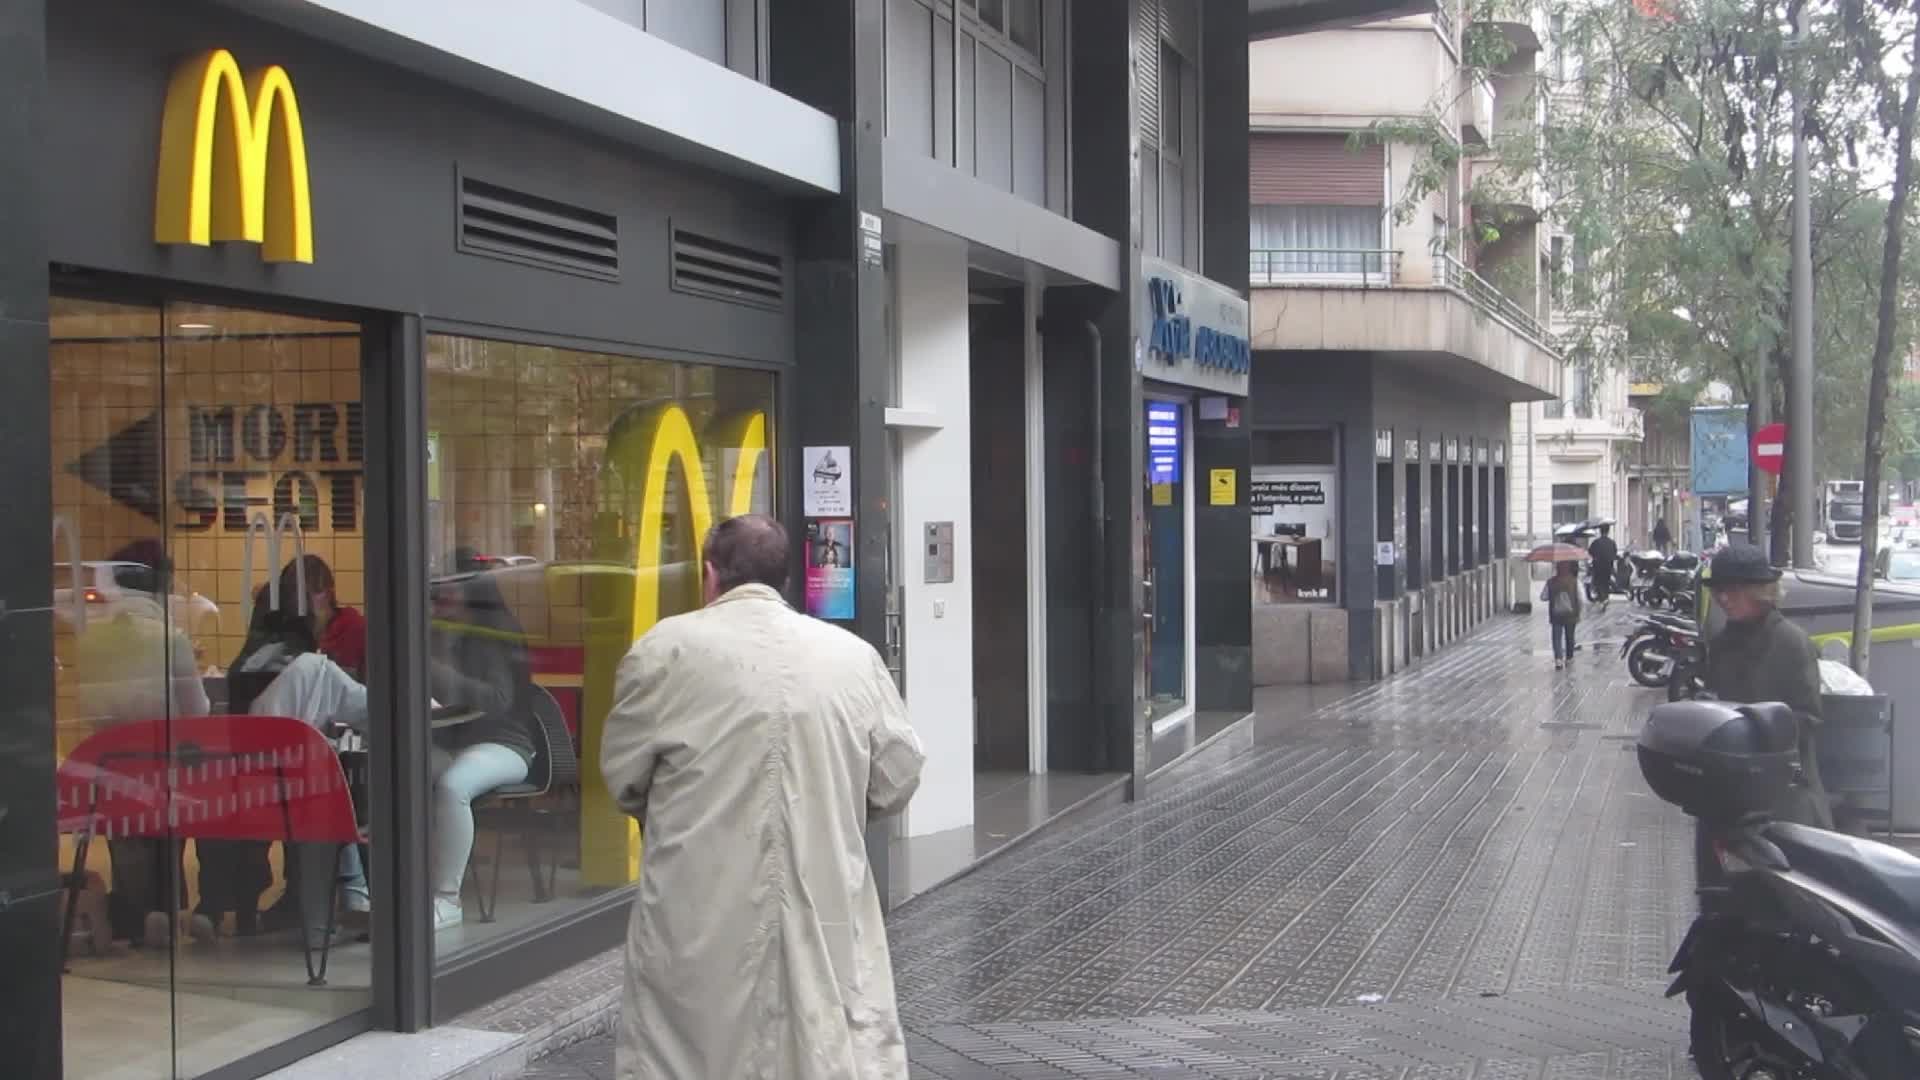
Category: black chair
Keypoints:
(519, 807)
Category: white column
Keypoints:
(936, 485)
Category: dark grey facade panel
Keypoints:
(984, 105)
(1029, 137)
(993, 119)
(910, 74)
(385, 151)
(698, 26)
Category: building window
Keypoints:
(1019, 20)
(1316, 242)
(1294, 495)
(1572, 504)
(568, 495)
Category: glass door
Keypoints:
(1168, 489)
(208, 652)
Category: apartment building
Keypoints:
(1396, 325)
(1579, 450)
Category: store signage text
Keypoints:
(1412, 449)
(1499, 453)
(1433, 450)
(231, 446)
(1383, 444)
(1453, 450)
(1266, 494)
(233, 160)
(1173, 337)
(1480, 454)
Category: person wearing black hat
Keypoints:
(1760, 656)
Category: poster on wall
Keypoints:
(830, 574)
(827, 475)
(1295, 536)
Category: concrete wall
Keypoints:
(1347, 78)
(936, 485)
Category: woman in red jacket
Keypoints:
(340, 630)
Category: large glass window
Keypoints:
(208, 649)
(1316, 242)
(1572, 504)
(568, 494)
(1295, 508)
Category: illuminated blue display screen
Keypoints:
(1163, 443)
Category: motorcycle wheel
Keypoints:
(1647, 669)
(1725, 1044)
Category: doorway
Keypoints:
(179, 431)
(1437, 528)
(1455, 520)
(1383, 523)
(1416, 550)
(1001, 533)
(1169, 494)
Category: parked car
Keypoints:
(108, 588)
(1897, 564)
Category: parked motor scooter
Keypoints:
(1659, 646)
(1804, 963)
(1643, 565)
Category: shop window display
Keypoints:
(208, 533)
(568, 495)
(1293, 495)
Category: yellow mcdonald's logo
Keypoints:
(643, 452)
(233, 160)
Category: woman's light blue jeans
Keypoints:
(459, 778)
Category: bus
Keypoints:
(1842, 505)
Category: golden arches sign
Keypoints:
(233, 160)
(647, 451)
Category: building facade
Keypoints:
(451, 317)
(1387, 359)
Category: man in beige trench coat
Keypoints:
(754, 744)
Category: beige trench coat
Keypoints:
(753, 743)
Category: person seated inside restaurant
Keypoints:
(478, 661)
(136, 666)
(282, 670)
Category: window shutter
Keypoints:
(1314, 169)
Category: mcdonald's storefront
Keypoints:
(344, 359)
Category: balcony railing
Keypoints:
(1453, 274)
(1323, 266)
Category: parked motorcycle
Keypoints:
(1659, 646)
(1642, 566)
(1675, 584)
(1804, 963)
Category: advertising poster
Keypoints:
(826, 472)
(1719, 444)
(830, 569)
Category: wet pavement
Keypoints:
(1455, 873)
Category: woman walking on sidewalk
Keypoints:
(1562, 597)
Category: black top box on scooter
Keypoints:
(1719, 761)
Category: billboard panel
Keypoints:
(1720, 450)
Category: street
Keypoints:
(1454, 873)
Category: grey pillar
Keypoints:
(832, 55)
(29, 925)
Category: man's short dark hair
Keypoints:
(748, 550)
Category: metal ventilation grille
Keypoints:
(506, 224)
(725, 271)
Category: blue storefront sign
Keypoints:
(1195, 330)
(1719, 450)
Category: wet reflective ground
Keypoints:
(1456, 873)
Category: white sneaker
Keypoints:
(358, 902)
(447, 914)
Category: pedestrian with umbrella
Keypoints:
(1561, 594)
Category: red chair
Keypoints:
(261, 778)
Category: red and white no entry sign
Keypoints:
(1770, 448)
